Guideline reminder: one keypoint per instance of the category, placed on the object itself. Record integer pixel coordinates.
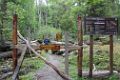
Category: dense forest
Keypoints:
(38, 19)
(37, 15)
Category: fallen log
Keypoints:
(6, 75)
(64, 76)
(15, 74)
(9, 74)
(8, 54)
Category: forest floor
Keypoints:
(47, 73)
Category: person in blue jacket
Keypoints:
(46, 41)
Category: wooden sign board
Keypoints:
(97, 25)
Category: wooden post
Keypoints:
(66, 54)
(20, 61)
(80, 51)
(111, 54)
(91, 56)
(14, 37)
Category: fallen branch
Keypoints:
(10, 73)
(65, 77)
(15, 74)
(8, 54)
(6, 75)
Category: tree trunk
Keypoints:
(8, 54)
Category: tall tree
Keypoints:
(3, 8)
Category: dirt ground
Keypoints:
(47, 73)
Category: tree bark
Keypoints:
(8, 54)
(66, 54)
(6, 75)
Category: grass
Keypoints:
(31, 65)
(29, 68)
(101, 61)
(28, 76)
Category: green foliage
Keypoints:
(55, 13)
(47, 31)
(29, 76)
(101, 61)
(26, 17)
(31, 65)
(94, 8)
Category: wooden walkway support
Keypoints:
(80, 50)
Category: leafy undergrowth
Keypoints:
(30, 65)
(29, 68)
(101, 61)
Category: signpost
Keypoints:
(101, 26)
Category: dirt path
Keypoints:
(47, 73)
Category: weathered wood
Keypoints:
(91, 57)
(71, 46)
(15, 74)
(8, 54)
(5, 47)
(100, 73)
(80, 50)
(9, 74)
(5, 75)
(111, 54)
(14, 37)
(66, 54)
(64, 76)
